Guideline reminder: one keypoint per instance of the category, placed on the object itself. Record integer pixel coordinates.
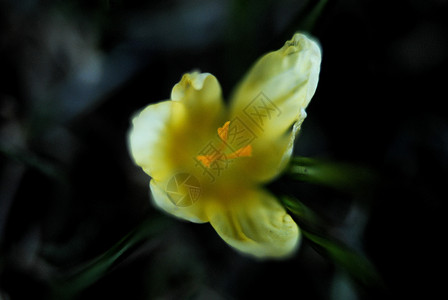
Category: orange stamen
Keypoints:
(223, 133)
(242, 152)
(206, 160)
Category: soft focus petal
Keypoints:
(202, 96)
(162, 199)
(165, 136)
(285, 80)
(147, 141)
(271, 102)
(255, 223)
(269, 156)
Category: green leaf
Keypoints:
(310, 20)
(354, 263)
(307, 218)
(341, 176)
(69, 286)
(31, 160)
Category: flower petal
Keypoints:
(269, 156)
(255, 223)
(146, 138)
(271, 102)
(202, 96)
(161, 198)
(284, 81)
(166, 136)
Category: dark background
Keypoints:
(74, 72)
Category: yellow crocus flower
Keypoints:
(208, 162)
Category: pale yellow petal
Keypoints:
(147, 138)
(165, 137)
(191, 210)
(268, 157)
(270, 102)
(255, 223)
(202, 96)
(279, 85)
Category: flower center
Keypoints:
(223, 133)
